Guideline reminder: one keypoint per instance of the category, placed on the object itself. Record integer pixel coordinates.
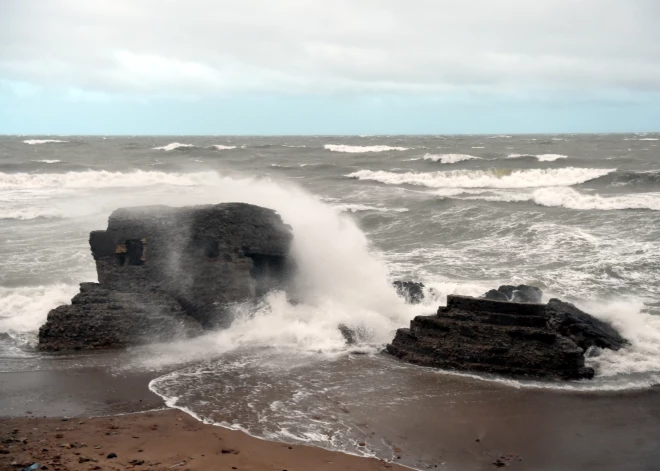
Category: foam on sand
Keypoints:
(493, 178)
(450, 158)
(360, 149)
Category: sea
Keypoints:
(577, 215)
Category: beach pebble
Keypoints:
(112, 455)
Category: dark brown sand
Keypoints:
(160, 440)
(468, 428)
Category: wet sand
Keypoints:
(160, 440)
(469, 427)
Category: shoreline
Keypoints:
(159, 440)
(467, 425)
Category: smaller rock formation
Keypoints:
(509, 338)
(411, 291)
(516, 294)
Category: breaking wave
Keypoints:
(359, 149)
(174, 146)
(450, 158)
(494, 178)
(46, 161)
(33, 142)
(571, 199)
(100, 179)
(23, 309)
(539, 157)
(221, 147)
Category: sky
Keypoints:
(329, 66)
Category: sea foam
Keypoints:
(539, 157)
(174, 146)
(494, 178)
(360, 149)
(33, 142)
(450, 158)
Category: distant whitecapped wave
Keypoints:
(100, 179)
(33, 142)
(572, 199)
(360, 149)
(450, 158)
(221, 147)
(174, 146)
(46, 161)
(494, 178)
(539, 157)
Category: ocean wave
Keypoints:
(354, 208)
(174, 146)
(28, 213)
(221, 147)
(46, 161)
(450, 158)
(571, 199)
(648, 178)
(101, 179)
(33, 142)
(539, 157)
(644, 139)
(360, 149)
(23, 309)
(494, 178)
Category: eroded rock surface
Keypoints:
(510, 338)
(181, 268)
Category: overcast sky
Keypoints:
(329, 66)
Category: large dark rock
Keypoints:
(195, 262)
(102, 318)
(517, 294)
(411, 291)
(509, 338)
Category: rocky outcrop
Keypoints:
(411, 291)
(509, 338)
(168, 272)
(516, 294)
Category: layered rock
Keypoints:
(182, 268)
(516, 339)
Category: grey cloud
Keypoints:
(313, 46)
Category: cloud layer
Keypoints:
(194, 48)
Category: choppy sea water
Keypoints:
(578, 215)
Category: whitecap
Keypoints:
(494, 178)
(360, 149)
(33, 142)
(539, 157)
(46, 161)
(174, 146)
(221, 147)
(450, 158)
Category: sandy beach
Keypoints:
(158, 440)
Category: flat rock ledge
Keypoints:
(508, 338)
(169, 273)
